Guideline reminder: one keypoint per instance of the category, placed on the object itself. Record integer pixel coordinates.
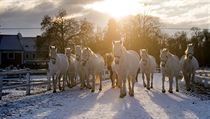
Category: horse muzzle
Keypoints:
(190, 57)
(163, 64)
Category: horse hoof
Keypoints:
(122, 95)
(163, 91)
(70, 86)
(177, 90)
(54, 91)
(188, 89)
(131, 94)
(170, 91)
(151, 87)
(148, 88)
(100, 89)
(92, 91)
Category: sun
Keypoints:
(117, 8)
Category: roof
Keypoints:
(10, 43)
(29, 43)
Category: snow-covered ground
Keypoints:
(82, 104)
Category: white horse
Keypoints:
(79, 68)
(71, 74)
(58, 67)
(170, 68)
(189, 65)
(128, 65)
(94, 65)
(148, 67)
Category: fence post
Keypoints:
(49, 82)
(1, 86)
(28, 87)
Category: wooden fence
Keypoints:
(202, 77)
(28, 82)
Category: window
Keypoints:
(34, 56)
(27, 56)
(11, 56)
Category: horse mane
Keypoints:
(189, 49)
(124, 49)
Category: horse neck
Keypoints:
(123, 55)
(170, 56)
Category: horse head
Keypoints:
(189, 51)
(68, 52)
(53, 53)
(164, 54)
(78, 52)
(86, 55)
(117, 50)
(144, 56)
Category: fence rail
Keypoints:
(28, 82)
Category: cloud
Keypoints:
(173, 13)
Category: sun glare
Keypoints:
(117, 8)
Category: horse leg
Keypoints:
(101, 79)
(148, 81)
(163, 81)
(54, 84)
(59, 81)
(93, 83)
(138, 71)
(143, 80)
(193, 81)
(177, 84)
(72, 79)
(121, 87)
(68, 80)
(151, 80)
(187, 82)
(87, 78)
(124, 86)
(117, 81)
(170, 84)
(64, 81)
(132, 88)
(82, 81)
(112, 77)
(129, 85)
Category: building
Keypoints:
(11, 50)
(30, 49)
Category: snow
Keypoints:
(82, 104)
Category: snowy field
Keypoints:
(82, 104)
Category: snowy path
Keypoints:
(82, 104)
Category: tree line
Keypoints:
(137, 32)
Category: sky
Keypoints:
(172, 13)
